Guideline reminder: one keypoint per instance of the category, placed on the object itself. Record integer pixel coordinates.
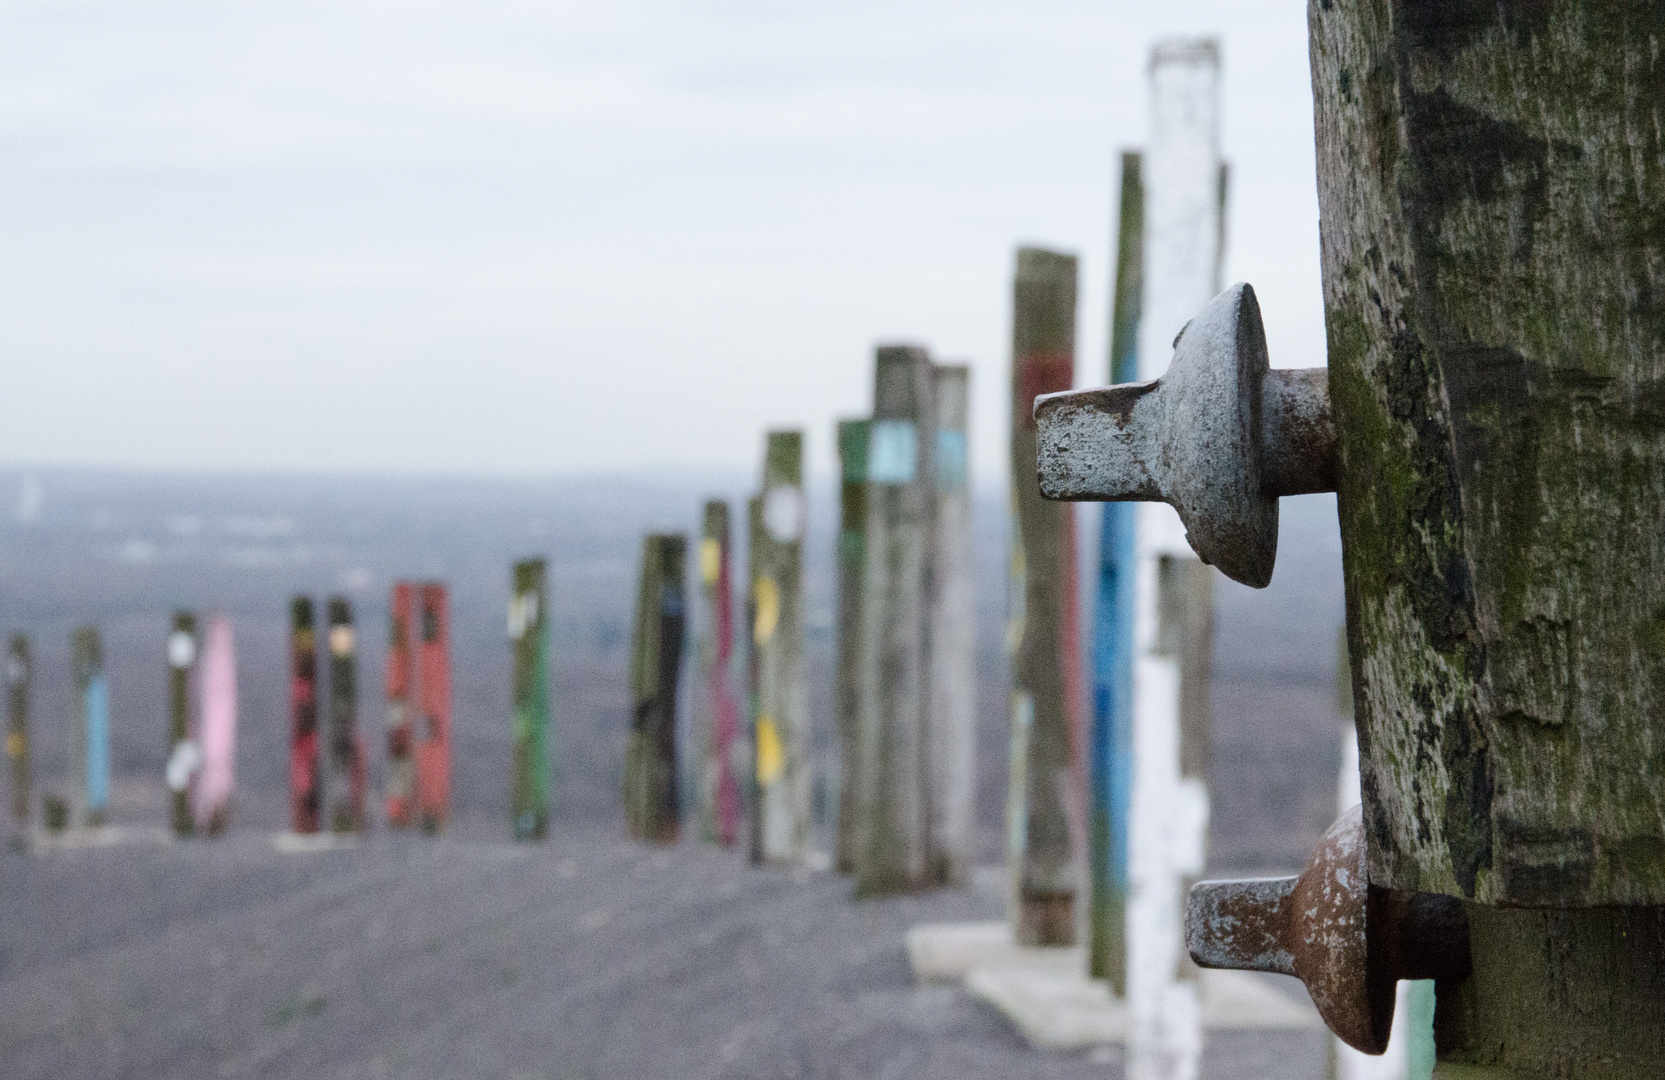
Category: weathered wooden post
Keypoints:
(951, 626)
(853, 437)
(306, 798)
(1486, 177)
(719, 725)
(652, 804)
(211, 794)
(17, 726)
(529, 637)
(893, 748)
(755, 540)
(345, 778)
(781, 733)
(90, 725)
(1111, 753)
(400, 787)
(433, 750)
(184, 751)
(1045, 796)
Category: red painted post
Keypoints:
(401, 740)
(433, 753)
(304, 794)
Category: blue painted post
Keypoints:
(1112, 736)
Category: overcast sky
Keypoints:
(570, 236)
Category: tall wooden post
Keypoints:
(719, 727)
(17, 726)
(345, 777)
(211, 794)
(893, 752)
(781, 735)
(1111, 756)
(529, 638)
(400, 789)
(652, 797)
(755, 559)
(184, 751)
(1044, 797)
(950, 638)
(1489, 184)
(90, 724)
(433, 750)
(306, 798)
(1172, 620)
(853, 437)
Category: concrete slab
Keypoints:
(1046, 995)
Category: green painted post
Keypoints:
(17, 726)
(1045, 793)
(1490, 180)
(652, 806)
(529, 635)
(853, 436)
(184, 755)
(781, 732)
(950, 639)
(893, 753)
(718, 717)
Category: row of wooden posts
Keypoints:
(328, 759)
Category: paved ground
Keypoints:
(583, 958)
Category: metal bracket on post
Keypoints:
(1220, 437)
(1349, 941)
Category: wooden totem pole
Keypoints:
(719, 714)
(306, 799)
(652, 793)
(1044, 795)
(853, 437)
(184, 750)
(892, 749)
(529, 638)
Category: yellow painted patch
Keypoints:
(711, 560)
(768, 610)
(771, 761)
(14, 744)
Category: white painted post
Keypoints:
(1183, 226)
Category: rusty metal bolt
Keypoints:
(1348, 941)
(1220, 437)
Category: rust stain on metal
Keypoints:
(1349, 942)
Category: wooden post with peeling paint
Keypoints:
(306, 800)
(755, 558)
(184, 750)
(853, 437)
(1111, 742)
(893, 749)
(652, 797)
(719, 726)
(781, 732)
(17, 726)
(529, 638)
(1490, 180)
(1045, 798)
(1182, 247)
(951, 642)
(399, 790)
(433, 747)
(345, 776)
(90, 727)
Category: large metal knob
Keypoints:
(1347, 940)
(1219, 437)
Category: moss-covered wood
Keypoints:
(17, 725)
(781, 766)
(853, 436)
(1492, 195)
(653, 808)
(529, 642)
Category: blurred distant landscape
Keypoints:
(123, 549)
